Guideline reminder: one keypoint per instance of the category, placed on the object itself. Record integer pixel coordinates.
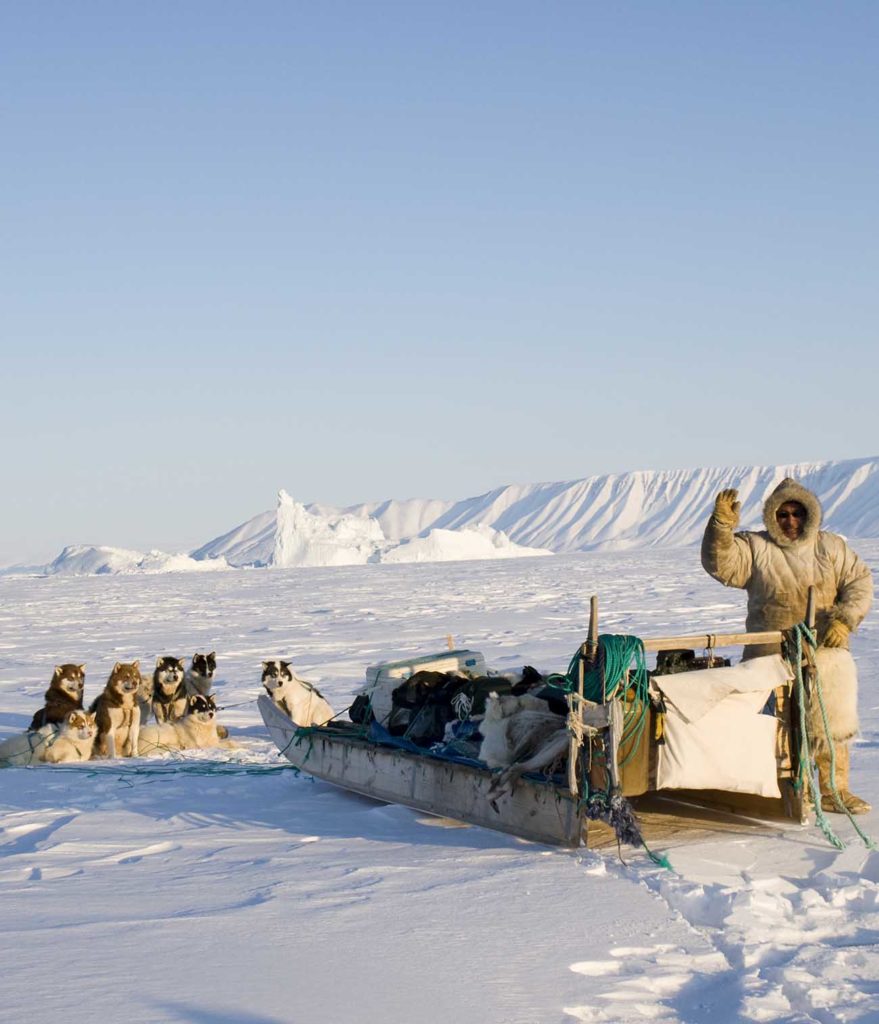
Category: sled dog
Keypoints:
(118, 716)
(145, 697)
(200, 674)
(169, 690)
(197, 728)
(64, 695)
(70, 740)
(75, 740)
(297, 698)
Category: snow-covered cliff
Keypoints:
(649, 508)
(641, 509)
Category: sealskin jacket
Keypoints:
(777, 572)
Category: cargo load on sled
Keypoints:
(608, 751)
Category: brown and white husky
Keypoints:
(64, 695)
(118, 716)
(197, 728)
(70, 740)
(300, 700)
(75, 741)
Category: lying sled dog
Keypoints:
(70, 740)
(297, 698)
(118, 716)
(200, 674)
(64, 695)
(197, 728)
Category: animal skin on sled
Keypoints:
(515, 728)
(838, 677)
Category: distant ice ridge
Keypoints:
(302, 538)
(87, 560)
(470, 542)
(650, 508)
(297, 536)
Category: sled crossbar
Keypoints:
(710, 641)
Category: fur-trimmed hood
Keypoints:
(790, 490)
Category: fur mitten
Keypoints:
(836, 634)
(727, 508)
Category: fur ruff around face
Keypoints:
(198, 728)
(790, 490)
(64, 695)
(839, 690)
(118, 716)
(297, 698)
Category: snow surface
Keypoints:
(134, 894)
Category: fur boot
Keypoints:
(853, 804)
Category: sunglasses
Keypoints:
(790, 515)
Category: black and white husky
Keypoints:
(169, 689)
(197, 728)
(297, 698)
(200, 674)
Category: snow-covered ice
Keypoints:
(178, 891)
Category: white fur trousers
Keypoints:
(839, 689)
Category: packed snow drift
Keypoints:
(241, 891)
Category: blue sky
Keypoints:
(370, 250)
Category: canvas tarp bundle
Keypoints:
(716, 736)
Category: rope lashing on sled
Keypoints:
(804, 639)
(618, 673)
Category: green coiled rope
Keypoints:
(618, 673)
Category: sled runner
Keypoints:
(694, 746)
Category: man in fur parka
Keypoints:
(776, 566)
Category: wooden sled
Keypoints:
(542, 810)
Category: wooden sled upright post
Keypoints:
(588, 653)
